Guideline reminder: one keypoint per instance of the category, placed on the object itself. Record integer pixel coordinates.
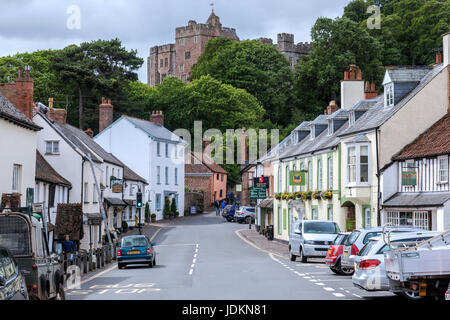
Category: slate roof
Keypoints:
(202, 167)
(154, 130)
(81, 139)
(129, 174)
(9, 112)
(422, 199)
(408, 74)
(434, 141)
(321, 142)
(45, 172)
(377, 114)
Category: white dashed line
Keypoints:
(338, 294)
(356, 295)
(328, 289)
(306, 277)
(190, 271)
(320, 283)
(312, 280)
(194, 260)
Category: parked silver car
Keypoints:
(311, 238)
(245, 214)
(370, 272)
(358, 239)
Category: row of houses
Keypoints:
(377, 159)
(47, 162)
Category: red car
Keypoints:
(333, 259)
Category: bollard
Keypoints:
(97, 256)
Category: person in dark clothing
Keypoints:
(217, 205)
(68, 246)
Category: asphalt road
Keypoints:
(201, 258)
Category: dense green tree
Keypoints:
(258, 68)
(336, 44)
(100, 67)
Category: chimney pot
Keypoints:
(89, 132)
(50, 103)
(157, 117)
(346, 75)
(438, 58)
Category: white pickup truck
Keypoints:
(423, 269)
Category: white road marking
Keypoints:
(306, 277)
(312, 280)
(193, 260)
(195, 255)
(338, 294)
(190, 271)
(328, 289)
(320, 283)
(174, 244)
(356, 295)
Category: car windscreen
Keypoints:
(367, 247)
(352, 238)
(339, 239)
(134, 242)
(371, 235)
(15, 235)
(320, 227)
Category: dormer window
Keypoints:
(389, 95)
(330, 127)
(313, 132)
(351, 118)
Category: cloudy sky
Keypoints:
(28, 25)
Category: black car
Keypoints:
(12, 282)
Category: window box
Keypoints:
(317, 195)
(326, 195)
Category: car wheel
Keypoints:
(120, 266)
(335, 270)
(292, 256)
(303, 259)
(345, 271)
(411, 295)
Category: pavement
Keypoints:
(203, 257)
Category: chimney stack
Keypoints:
(332, 108)
(352, 87)
(105, 114)
(446, 48)
(369, 91)
(56, 115)
(20, 93)
(157, 117)
(438, 58)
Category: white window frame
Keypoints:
(176, 176)
(357, 164)
(166, 174)
(442, 170)
(54, 147)
(367, 217)
(330, 173)
(310, 175)
(16, 178)
(302, 167)
(330, 213)
(352, 118)
(86, 193)
(286, 170)
(167, 150)
(313, 132)
(158, 149)
(389, 95)
(420, 218)
(319, 174)
(158, 174)
(330, 127)
(279, 178)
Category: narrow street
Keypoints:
(202, 258)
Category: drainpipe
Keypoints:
(378, 179)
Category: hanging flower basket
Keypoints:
(298, 195)
(277, 196)
(326, 195)
(306, 195)
(317, 195)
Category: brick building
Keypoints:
(177, 59)
(204, 174)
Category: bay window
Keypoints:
(358, 164)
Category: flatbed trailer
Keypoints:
(423, 270)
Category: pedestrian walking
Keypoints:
(217, 205)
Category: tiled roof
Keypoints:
(81, 139)
(45, 172)
(377, 114)
(9, 112)
(434, 141)
(203, 167)
(423, 199)
(153, 129)
(129, 174)
(408, 74)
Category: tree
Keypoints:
(336, 44)
(98, 65)
(258, 68)
(173, 206)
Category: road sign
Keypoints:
(297, 178)
(258, 193)
(261, 182)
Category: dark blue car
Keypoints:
(228, 212)
(136, 249)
